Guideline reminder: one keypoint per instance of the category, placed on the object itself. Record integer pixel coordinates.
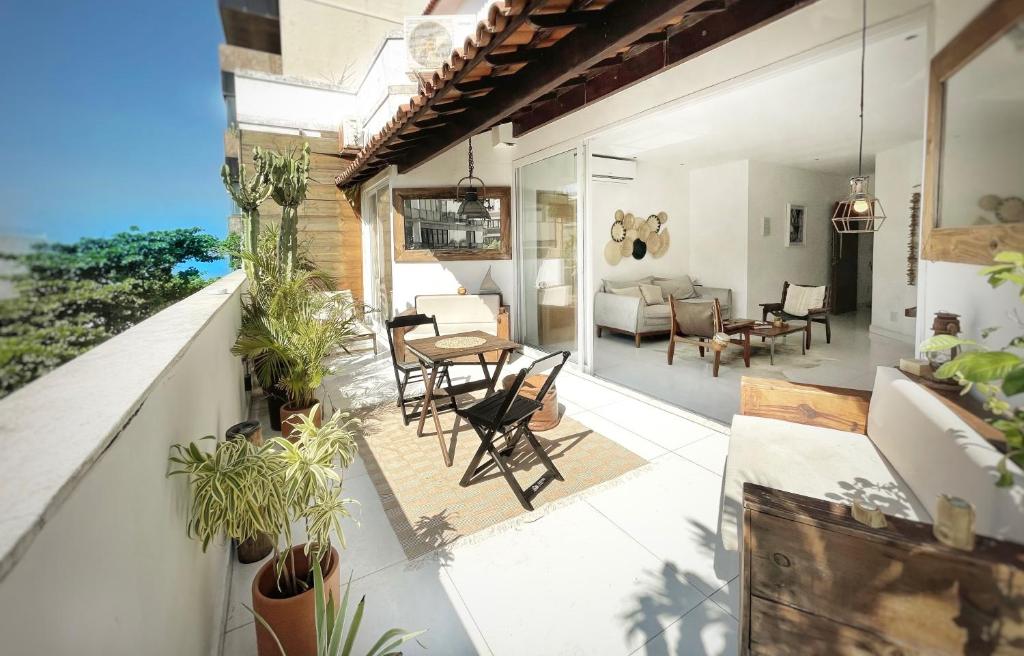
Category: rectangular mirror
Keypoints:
(428, 227)
(974, 171)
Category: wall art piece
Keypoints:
(915, 221)
(636, 237)
(796, 229)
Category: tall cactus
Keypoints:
(289, 177)
(248, 194)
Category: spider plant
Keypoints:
(233, 491)
(333, 638)
(241, 490)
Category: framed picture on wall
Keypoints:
(796, 224)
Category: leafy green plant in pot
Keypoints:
(274, 305)
(275, 486)
(333, 637)
(228, 486)
(996, 374)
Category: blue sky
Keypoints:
(111, 116)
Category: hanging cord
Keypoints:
(863, 50)
(471, 161)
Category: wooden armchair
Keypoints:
(696, 324)
(814, 315)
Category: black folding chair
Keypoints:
(409, 372)
(506, 414)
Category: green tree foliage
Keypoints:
(71, 297)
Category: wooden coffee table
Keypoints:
(771, 332)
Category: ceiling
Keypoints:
(803, 114)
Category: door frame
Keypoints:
(584, 307)
(370, 238)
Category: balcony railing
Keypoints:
(91, 530)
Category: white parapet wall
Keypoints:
(93, 553)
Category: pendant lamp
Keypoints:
(860, 212)
(471, 209)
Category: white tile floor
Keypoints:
(849, 361)
(627, 568)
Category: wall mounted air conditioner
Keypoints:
(609, 168)
(429, 40)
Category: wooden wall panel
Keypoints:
(329, 228)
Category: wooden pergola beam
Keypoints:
(523, 56)
(564, 19)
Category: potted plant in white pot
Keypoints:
(291, 482)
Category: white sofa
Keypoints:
(631, 315)
(916, 448)
(457, 313)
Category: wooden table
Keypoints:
(434, 359)
(772, 332)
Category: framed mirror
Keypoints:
(974, 164)
(428, 227)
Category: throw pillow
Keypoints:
(696, 319)
(800, 300)
(652, 294)
(610, 285)
(627, 291)
(678, 288)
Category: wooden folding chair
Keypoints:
(409, 371)
(507, 415)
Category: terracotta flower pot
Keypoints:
(254, 550)
(291, 618)
(290, 420)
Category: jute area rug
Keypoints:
(422, 498)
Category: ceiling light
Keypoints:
(860, 212)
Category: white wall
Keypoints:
(958, 287)
(320, 39)
(897, 171)
(494, 167)
(770, 261)
(272, 101)
(95, 559)
(718, 228)
(656, 189)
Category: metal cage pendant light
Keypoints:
(860, 212)
(471, 208)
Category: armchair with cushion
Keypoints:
(632, 307)
(803, 302)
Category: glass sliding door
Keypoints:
(548, 270)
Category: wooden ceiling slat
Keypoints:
(521, 56)
(564, 19)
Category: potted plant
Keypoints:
(228, 486)
(274, 486)
(273, 301)
(996, 374)
(334, 635)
